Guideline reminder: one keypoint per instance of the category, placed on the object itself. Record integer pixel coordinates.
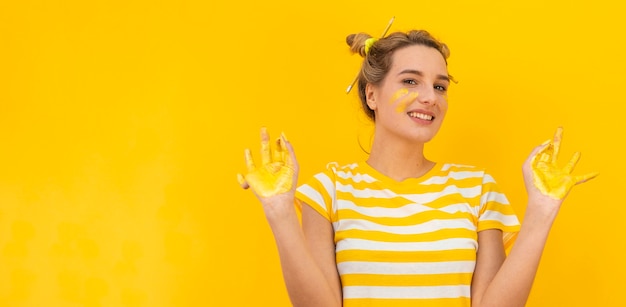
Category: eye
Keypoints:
(409, 81)
(441, 88)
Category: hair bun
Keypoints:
(357, 42)
(350, 39)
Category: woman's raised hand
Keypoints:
(276, 177)
(543, 176)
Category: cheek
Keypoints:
(399, 93)
(442, 105)
(401, 107)
(402, 98)
(443, 110)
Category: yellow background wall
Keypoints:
(123, 124)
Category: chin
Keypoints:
(424, 140)
(426, 135)
(421, 137)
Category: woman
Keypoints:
(399, 229)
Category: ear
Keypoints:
(370, 96)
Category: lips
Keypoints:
(421, 114)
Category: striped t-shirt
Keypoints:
(408, 243)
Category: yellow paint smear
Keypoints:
(275, 175)
(551, 180)
(399, 93)
(405, 98)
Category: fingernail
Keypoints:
(282, 134)
(546, 142)
(240, 179)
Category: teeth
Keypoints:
(420, 116)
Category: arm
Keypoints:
(307, 282)
(507, 282)
(307, 258)
(320, 238)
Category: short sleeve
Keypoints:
(496, 212)
(319, 192)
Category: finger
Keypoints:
(266, 155)
(556, 143)
(545, 157)
(585, 178)
(534, 154)
(545, 153)
(572, 163)
(242, 181)
(279, 151)
(290, 158)
(249, 161)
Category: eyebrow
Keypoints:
(421, 74)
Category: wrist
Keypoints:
(279, 210)
(543, 211)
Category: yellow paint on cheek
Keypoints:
(408, 99)
(399, 93)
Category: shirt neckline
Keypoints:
(408, 181)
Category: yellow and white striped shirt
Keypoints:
(409, 243)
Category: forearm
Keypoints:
(305, 282)
(547, 186)
(511, 285)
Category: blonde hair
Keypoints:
(377, 61)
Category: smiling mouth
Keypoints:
(421, 116)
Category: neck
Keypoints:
(398, 159)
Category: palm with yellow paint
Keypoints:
(278, 170)
(547, 177)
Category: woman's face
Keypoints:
(411, 101)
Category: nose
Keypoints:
(427, 95)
